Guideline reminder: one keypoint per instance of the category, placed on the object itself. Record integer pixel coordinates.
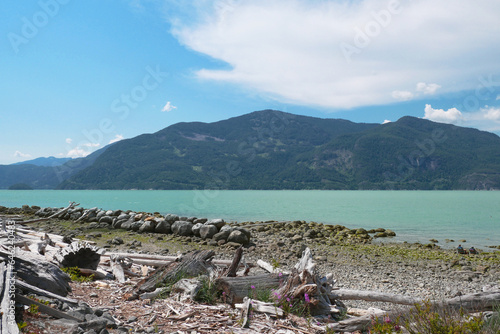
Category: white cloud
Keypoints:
(69, 140)
(451, 116)
(168, 107)
(78, 152)
(386, 121)
(498, 97)
(116, 139)
(427, 89)
(19, 154)
(290, 50)
(492, 114)
(402, 95)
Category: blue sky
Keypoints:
(77, 75)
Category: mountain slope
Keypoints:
(48, 162)
(275, 150)
(253, 151)
(44, 177)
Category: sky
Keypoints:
(77, 75)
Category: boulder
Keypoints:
(222, 235)
(106, 219)
(171, 218)
(208, 231)
(196, 229)
(217, 222)
(238, 237)
(135, 226)
(123, 216)
(200, 221)
(163, 227)
(183, 228)
(147, 226)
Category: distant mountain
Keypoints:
(274, 150)
(44, 177)
(47, 162)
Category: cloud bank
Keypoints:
(343, 54)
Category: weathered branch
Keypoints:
(55, 215)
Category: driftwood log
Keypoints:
(79, 254)
(191, 265)
(7, 320)
(476, 302)
(55, 215)
(237, 288)
(35, 270)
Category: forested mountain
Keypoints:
(274, 150)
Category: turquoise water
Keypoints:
(413, 215)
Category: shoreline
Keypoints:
(404, 268)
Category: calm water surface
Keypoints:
(413, 215)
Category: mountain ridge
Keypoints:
(270, 149)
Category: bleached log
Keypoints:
(151, 295)
(79, 254)
(44, 308)
(373, 296)
(8, 322)
(247, 306)
(237, 288)
(36, 270)
(191, 265)
(476, 302)
(117, 269)
(306, 262)
(262, 307)
(33, 289)
(55, 215)
(98, 274)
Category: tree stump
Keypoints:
(79, 254)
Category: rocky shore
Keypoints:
(409, 269)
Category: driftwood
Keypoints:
(79, 254)
(33, 289)
(231, 271)
(305, 285)
(36, 271)
(7, 322)
(262, 307)
(469, 303)
(191, 265)
(55, 215)
(117, 268)
(373, 296)
(44, 308)
(237, 288)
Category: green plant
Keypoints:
(33, 309)
(22, 325)
(76, 276)
(275, 263)
(264, 295)
(386, 326)
(207, 293)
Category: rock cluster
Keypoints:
(214, 231)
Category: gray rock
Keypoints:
(208, 231)
(163, 227)
(123, 216)
(221, 235)
(217, 222)
(128, 224)
(196, 229)
(183, 228)
(118, 223)
(238, 237)
(200, 221)
(148, 226)
(109, 213)
(106, 219)
(226, 228)
(136, 225)
(171, 218)
(97, 324)
(117, 241)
